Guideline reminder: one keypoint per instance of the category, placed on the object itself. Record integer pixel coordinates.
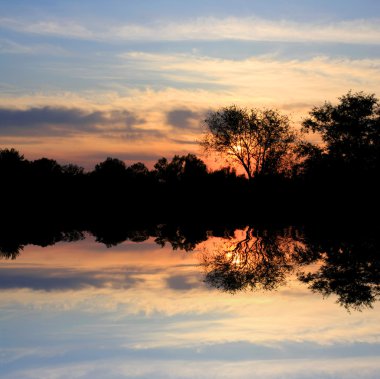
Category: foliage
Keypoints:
(261, 141)
(181, 168)
(110, 167)
(350, 131)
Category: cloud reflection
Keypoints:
(65, 279)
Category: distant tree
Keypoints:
(194, 168)
(72, 170)
(10, 156)
(350, 131)
(12, 163)
(185, 167)
(260, 141)
(160, 169)
(45, 167)
(138, 170)
(111, 167)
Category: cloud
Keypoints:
(184, 119)
(118, 363)
(251, 28)
(183, 282)
(254, 29)
(64, 279)
(11, 47)
(48, 27)
(59, 121)
(257, 81)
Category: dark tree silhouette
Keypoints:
(72, 170)
(350, 131)
(260, 141)
(181, 168)
(46, 168)
(111, 167)
(12, 164)
(138, 170)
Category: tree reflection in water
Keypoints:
(261, 260)
(349, 267)
(345, 266)
(331, 261)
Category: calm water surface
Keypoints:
(137, 310)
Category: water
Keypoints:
(139, 310)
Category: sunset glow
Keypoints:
(82, 81)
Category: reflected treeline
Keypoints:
(15, 236)
(331, 260)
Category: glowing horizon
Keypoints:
(80, 82)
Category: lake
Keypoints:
(174, 303)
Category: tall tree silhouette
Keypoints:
(260, 141)
(350, 131)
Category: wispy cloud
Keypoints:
(265, 80)
(251, 28)
(117, 364)
(8, 46)
(255, 29)
(49, 27)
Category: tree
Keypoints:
(138, 170)
(111, 167)
(181, 168)
(46, 168)
(350, 131)
(12, 164)
(72, 170)
(261, 141)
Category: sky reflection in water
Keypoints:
(80, 310)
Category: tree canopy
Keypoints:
(350, 131)
(260, 141)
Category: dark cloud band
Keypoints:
(60, 121)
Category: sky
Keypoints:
(81, 310)
(83, 80)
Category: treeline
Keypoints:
(177, 184)
(179, 188)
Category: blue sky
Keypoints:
(149, 59)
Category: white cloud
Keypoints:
(264, 81)
(11, 47)
(254, 29)
(358, 368)
(251, 28)
(53, 28)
